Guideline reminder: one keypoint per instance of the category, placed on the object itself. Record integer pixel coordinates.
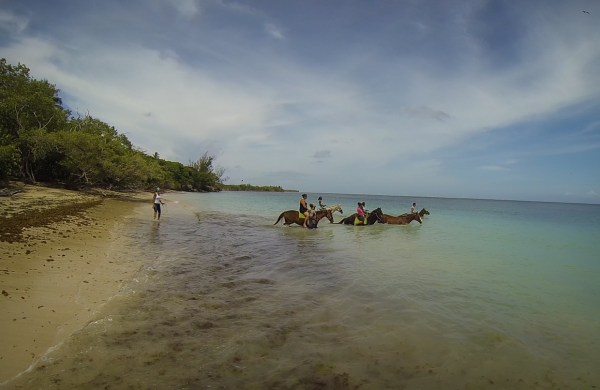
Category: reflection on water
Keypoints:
(154, 232)
(230, 301)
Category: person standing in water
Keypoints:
(157, 203)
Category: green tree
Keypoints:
(9, 162)
(93, 153)
(29, 110)
(204, 176)
(176, 176)
(39, 140)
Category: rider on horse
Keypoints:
(360, 212)
(304, 208)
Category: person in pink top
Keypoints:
(360, 212)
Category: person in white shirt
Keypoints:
(321, 204)
(157, 203)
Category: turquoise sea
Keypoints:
(483, 294)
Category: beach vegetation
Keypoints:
(41, 141)
(204, 174)
(9, 162)
(250, 187)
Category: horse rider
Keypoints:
(363, 205)
(304, 208)
(321, 204)
(312, 217)
(360, 212)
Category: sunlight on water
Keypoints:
(482, 294)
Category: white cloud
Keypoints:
(494, 168)
(362, 107)
(186, 8)
(11, 23)
(274, 31)
(322, 154)
(425, 112)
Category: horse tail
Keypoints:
(279, 219)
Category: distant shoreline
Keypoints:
(253, 188)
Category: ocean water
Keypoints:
(483, 294)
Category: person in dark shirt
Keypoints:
(304, 208)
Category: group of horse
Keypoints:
(375, 216)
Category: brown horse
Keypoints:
(422, 213)
(294, 216)
(404, 219)
(374, 216)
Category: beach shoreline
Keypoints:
(62, 257)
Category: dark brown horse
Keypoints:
(294, 216)
(422, 213)
(403, 219)
(374, 216)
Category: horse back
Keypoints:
(348, 220)
(290, 216)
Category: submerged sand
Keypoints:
(62, 258)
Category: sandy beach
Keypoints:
(62, 257)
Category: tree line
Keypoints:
(250, 187)
(41, 141)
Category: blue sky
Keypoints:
(477, 99)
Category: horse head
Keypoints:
(325, 213)
(379, 214)
(424, 211)
(334, 208)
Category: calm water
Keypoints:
(483, 294)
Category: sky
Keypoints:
(470, 99)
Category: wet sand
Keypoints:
(62, 257)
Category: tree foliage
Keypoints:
(40, 140)
(29, 110)
(250, 187)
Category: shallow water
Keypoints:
(482, 294)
